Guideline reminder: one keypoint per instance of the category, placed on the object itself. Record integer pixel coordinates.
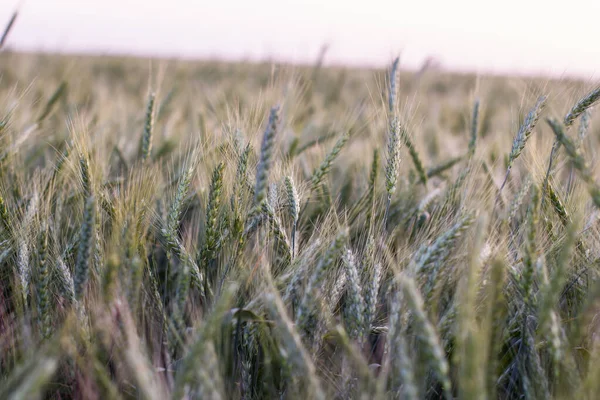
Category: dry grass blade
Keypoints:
(8, 28)
(427, 334)
(297, 354)
(443, 167)
(58, 93)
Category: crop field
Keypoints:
(210, 230)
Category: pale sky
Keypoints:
(525, 36)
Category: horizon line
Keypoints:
(270, 59)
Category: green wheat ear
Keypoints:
(278, 233)
(584, 125)
(474, 128)
(211, 235)
(523, 134)
(414, 155)
(146, 143)
(354, 307)
(293, 201)
(86, 238)
(581, 106)
(515, 206)
(65, 280)
(307, 316)
(577, 159)
(4, 218)
(558, 205)
(325, 166)
(530, 254)
(241, 178)
(393, 160)
(393, 88)
(372, 282)
(109, 283)
(43, 280)
(266, 157)
(372, 187)
(429, 259)
(174, 215)
(86, 177)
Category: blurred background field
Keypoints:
(212, 96)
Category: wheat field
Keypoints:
(210, 230)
